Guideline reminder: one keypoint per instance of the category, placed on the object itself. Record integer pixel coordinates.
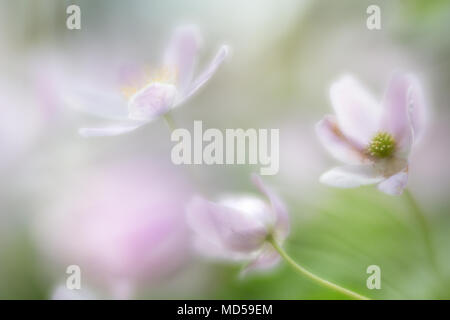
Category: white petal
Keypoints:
(182, 54)
(113, 130)
(207, 74)
(132, 75)
(396, 117)
(336, 143)
(358, 114)
(351, 176)
(151, 101)
(395, 184)
(225, 226)
(216, 251)
(99, 102)
(417, 108)
(282, 221)
(201, 220)
(267, 259)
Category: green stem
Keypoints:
(425, 228)
(312, 276)
(169, 121)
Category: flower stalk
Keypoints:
(313, 277)
(169, 122)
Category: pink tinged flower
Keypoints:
(373, 139)
(237, 228)
(125, 228)
(144, 98)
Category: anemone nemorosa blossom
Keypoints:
(145, 97)
(373, 139)
(238, 228)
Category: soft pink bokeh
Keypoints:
(124, 226)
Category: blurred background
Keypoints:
(114, 205)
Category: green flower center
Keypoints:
(382, 145)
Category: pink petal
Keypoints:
(418, 112)
(100, 102)
(151, 101)
(282, 224)
(225, 226)
(395, 184)
(111, 130)
(217, 251)
(131, 75)
(267, 259)
(357, 112)
(336, 143)
(208, 73)
(201, 220)
(182, 53)
(396, 112)
(351, 176)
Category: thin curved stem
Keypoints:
(312, 276)
(169, 122)
(425, 228)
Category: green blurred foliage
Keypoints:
(354, 229)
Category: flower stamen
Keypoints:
(382, 145)
(163, 75)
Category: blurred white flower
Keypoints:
(375, 140)
(143, 98)
(61, 292)
(237, 228)
(124, 227)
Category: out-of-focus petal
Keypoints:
(396, 118)
(217, 251)
(99, 102)
(395, 184)
(120, 246)
(122, 289)
(131, 75)
(61, 292)
(201, 220)
(267, 259)
(182, 53)
(207, 74)
(336, 143)
(151, 101)
(351, 176)
(225, 226)
(390, 166)
(112, 130)
(282, 223)
(358, 114)
(417, 108)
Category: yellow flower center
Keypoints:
(382, 145)
(162, 75)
